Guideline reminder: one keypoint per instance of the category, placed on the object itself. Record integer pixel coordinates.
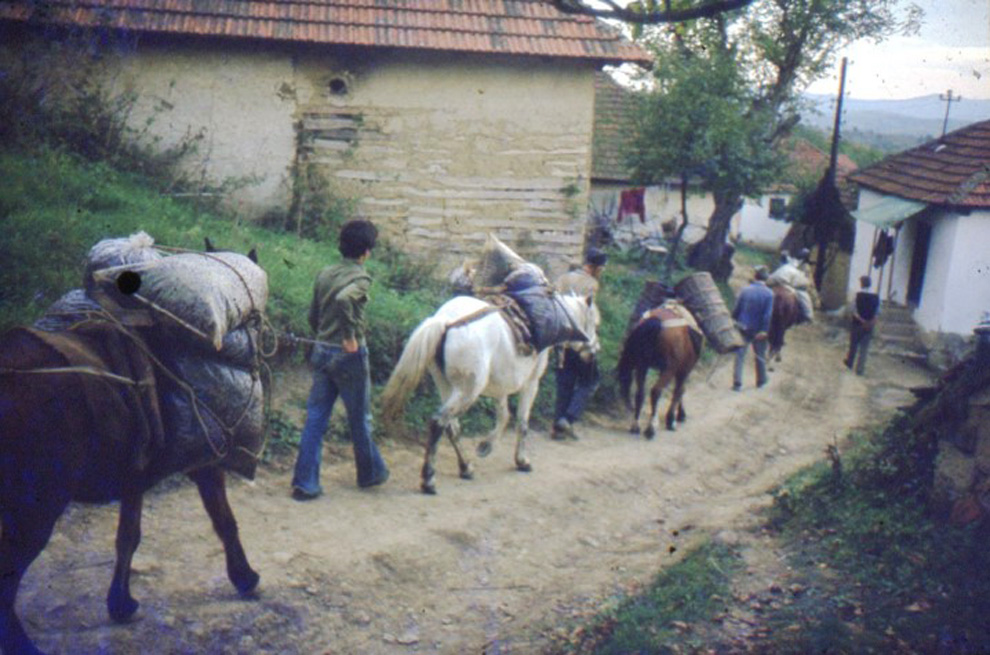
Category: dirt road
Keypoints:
(490, 565)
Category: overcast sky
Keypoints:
(951, 51)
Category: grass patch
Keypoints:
(914, 584)
(692, 590)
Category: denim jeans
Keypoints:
(576, 381)
(859, 343)
(760, 350)
(336, 373)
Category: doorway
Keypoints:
(919, 261)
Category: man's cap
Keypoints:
(595, 257)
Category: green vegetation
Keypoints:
(56, 205)
(876, 572)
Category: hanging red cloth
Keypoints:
(631, 201)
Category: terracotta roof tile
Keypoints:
(614, 106)
(953, 170)
(513, 27)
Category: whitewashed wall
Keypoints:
(956, 287)
(235, 96)
(437, 150)
(753, 225)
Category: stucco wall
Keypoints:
(956, 287)
(437, 150)
(753, 225)
(440, 151)
(662, 203)
(231, 93)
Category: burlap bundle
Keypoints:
(208, 294)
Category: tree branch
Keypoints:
(705, 9)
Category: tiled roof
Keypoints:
(953, 170)
(614, 105)
(512, 27)
(808, 161)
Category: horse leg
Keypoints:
(428, 483)
(453, 432)
(655, 394)
(120, 604)
(640, 396)
(502, 416)
(526, 398)
(28, 521)
(213, 492)
(676, 404)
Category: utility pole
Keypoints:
(834, 153)
(948, 99)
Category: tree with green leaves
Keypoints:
(725, 92)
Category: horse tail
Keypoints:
(420, 350)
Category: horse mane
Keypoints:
(640, 349)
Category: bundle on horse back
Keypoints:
(85, 415)
(206, 294)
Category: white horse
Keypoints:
(470, 351)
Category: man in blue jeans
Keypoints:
(577, 372)
(340, 364)
(752, 313)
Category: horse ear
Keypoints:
(253, 255)
(209, 245)
(590, 299)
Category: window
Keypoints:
(778, 208)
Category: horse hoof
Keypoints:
(246, 583)
(467, 473)
(429, 489)
(484, 449)
(634, 429)
(672, 427)
(122, 611)
(650, 433)
(524, 467)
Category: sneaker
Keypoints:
(381, 479)
(302, 495)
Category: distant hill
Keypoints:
(894, 124)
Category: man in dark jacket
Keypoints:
(577, 371)
(752, 313)
(340, 364)
(864, 317)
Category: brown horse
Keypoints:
(668, 344)
(70, 432)
(786, 314)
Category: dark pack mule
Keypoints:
(664, 342)
(76, 426)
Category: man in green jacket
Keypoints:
(340, 364)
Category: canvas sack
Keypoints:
(207, 294)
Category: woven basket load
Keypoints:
(703, 300)
(498, 261)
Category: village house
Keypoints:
(923, 231)
(441, 120)
(761, 222)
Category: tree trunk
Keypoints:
(710, 254)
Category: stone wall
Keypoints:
(436, 150)
(962, 474)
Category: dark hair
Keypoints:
(595, 257)
(865, 281)
(356, 238)
(762, 273)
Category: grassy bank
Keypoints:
(861, 567)
(55, 206)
